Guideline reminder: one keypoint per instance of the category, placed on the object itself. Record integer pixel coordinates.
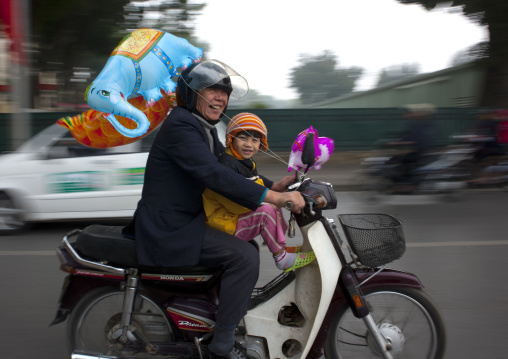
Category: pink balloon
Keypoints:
(323, 148)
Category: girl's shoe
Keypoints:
(294, 249)
(302, 259)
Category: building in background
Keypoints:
(458, 86)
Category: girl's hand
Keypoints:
(283, 184)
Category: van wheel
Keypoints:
(11, 217)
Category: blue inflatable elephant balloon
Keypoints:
(143, 63)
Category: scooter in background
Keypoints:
(488, 165)
(438, 172)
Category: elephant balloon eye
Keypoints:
(104, 93)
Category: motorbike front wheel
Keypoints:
(95, 324)
(406, 316)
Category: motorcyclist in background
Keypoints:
(487, 128)
(169, 222)
(418, 139)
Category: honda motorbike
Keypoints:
(345, 304)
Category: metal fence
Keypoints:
(351, 129)
(355, 129)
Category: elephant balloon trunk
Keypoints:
(125, 109)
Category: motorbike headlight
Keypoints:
(320, 200)
(322, 193)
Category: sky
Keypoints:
(264, 39)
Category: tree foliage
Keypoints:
(66, 32)
(493, 14)
(472, 53)
(174, 16)
(318, 78)
(69, 35)
(397, 73)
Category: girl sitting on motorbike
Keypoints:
(245, 134)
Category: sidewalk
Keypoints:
(343, 170)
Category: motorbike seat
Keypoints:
(108, 244)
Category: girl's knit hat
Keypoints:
(246, 121)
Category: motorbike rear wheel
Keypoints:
(407, 316)
(95, 324)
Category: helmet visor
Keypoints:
(214, 72)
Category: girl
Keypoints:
(245, 134)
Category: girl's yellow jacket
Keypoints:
(222, 213)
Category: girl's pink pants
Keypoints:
(268, 221)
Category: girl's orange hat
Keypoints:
(246, 121)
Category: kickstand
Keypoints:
(198, 341)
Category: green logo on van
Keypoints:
(130, 176)
(84, 181)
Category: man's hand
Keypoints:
(281, 198)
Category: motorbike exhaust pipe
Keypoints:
(171, 351)
(85, 355)
(91, 356)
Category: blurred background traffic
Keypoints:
(416, 144)
(411, 132)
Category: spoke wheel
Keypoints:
(11, 217)
(95, 324)
(406, 317)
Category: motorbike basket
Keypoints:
(376, 239)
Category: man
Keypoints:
(418, 139)
(169, 223)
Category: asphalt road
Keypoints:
(458, 249)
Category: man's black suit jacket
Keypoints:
(169, 222)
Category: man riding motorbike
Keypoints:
(169, 222)
(418, 139)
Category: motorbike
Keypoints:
(444, 171)
(345, 304)
(489, 163)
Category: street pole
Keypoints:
(20, 78)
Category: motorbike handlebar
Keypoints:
(289, 205)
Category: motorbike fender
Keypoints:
(312, 291)
(384, 279)
(387, 277)
(81, 281)
(75, 286)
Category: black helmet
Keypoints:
(211, 73)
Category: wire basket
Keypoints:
(376, 239)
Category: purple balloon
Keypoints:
(323, 148)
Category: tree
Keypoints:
(493, 15)
(173, 16)
(76, 37)
(396, 73)
(66, 32)
(470, 54)
(318, 78)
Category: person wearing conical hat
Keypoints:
(246, 134)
